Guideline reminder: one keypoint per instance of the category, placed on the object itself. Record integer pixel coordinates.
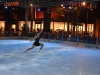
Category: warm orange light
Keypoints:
(11, 3)
(62, 5)
(31, 5)
(83, 3)
(14, 26)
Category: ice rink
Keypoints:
(54, 59)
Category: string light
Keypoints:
(45, 3)
(84, 3)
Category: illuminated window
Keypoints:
(2, 25)
(66, 26)
(58, 25)
(90, 28)
(37, 25)
(13, 26)
(51, 25)
(23, 22)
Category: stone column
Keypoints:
(47, 18)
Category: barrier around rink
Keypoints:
(77, 40)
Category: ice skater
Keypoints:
(36, 43)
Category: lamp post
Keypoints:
(68, 24)
(86, 22)
(26, 27)
(31, 16)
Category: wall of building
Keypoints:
(97, 27)
(8, 16)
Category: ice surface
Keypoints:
(54, 59)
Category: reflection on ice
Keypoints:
(54, 59)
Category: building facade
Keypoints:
(56, 18)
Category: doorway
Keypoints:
(79, 29)
(13, 28)
(38, 26)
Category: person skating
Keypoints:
(36, 43)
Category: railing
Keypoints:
(74, 38)
(93, 40)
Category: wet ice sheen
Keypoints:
(55, 59)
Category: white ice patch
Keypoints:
(54, 59)
(5, 42)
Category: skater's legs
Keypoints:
(31, 47)
(41, 46)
